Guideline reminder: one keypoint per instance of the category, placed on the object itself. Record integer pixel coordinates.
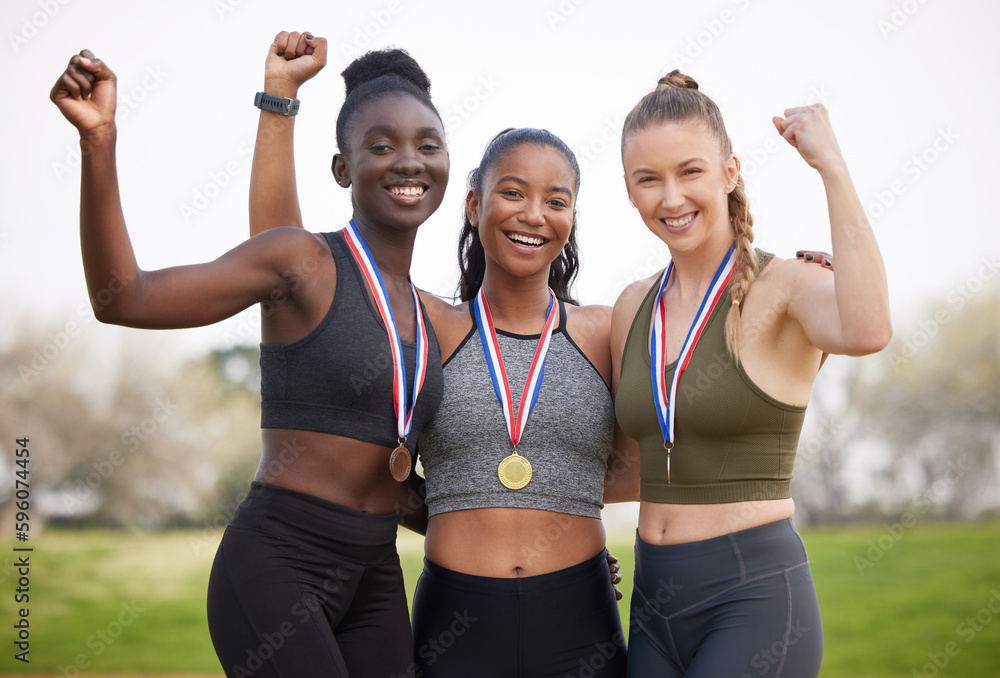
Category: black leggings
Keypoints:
(740, 606)
(560, 624)
(303, 587)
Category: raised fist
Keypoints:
(86, 93)
(292, 59)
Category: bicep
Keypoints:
(813, 305)
(202, 294)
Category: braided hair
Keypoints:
(678, 99)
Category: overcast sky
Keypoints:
(911, 87)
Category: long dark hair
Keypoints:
(472, 258)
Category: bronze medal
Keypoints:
(399, 464)
(514, 472)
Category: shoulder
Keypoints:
(589, 327)
(590, 323)
(594, 313)
(630, 300)
(451, 323)
(289, 250)
(789, 276)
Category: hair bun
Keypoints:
(390, 61)
(676, 79)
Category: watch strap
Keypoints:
(283, 105)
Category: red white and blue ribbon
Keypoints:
(533, 384)
(404, 410)
(665, 395)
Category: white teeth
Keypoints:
(406, 190)
(525, 240)
(677, 223)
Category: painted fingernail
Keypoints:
(809, 257)
(281, 54)
(309, 36)
(800, 254)
(827, 262)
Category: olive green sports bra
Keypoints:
(732, 441)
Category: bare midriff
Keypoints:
(345, 471)
(511, 542)
(663, 524)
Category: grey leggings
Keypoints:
(738, 606)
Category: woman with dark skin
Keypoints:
(517, 243)
(307, 580)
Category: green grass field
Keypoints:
(923, 601)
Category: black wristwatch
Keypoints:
(283, 105)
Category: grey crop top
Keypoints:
(338, 378)
(567, 438)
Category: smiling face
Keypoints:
(525, 210)
(678, 180)
(396, 162)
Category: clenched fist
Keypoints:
(86, 94)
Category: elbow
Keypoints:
(112, 313)
(874, 339)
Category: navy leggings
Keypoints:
(738, 606)
(557, 625)
(303, 587)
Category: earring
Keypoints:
(475, 227)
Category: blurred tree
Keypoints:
(139, 441)
(919, 433)
(935, 398)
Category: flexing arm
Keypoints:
(292, 59)
(848, 313)
(120, 291)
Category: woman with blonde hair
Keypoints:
(722, 581)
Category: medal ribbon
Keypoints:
(664, 400)
(533, 384)
(404, 410)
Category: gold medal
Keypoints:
(514, 471)
(399, 463)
